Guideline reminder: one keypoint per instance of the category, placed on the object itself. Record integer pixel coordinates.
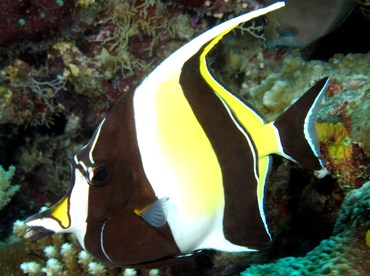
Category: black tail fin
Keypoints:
(297, 129)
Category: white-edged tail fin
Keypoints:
(297, 131)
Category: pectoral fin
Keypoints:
(155, 214)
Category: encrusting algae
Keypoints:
(338, 149)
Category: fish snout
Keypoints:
(37, 232)
(35, 229)
(50, 221)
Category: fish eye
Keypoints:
(98, 176)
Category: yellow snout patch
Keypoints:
(60, 212)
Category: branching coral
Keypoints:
(7, 190)
(84, 73)
(27, 96)
(131, 18)
(67, 261)
(62, 255)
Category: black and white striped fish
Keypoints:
(180, 164)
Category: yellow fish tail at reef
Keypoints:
(179, 164)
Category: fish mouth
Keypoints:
(34, 233)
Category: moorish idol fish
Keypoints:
(178, 165)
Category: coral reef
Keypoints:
(341, 153)
(7, 189)
(344, 133)
(32, 20)
(65, 261)
(344, 253)
(350, 70)
(56, 255)
(64, 63)
(27, 96)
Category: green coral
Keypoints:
(344, 253)
(7, 190)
